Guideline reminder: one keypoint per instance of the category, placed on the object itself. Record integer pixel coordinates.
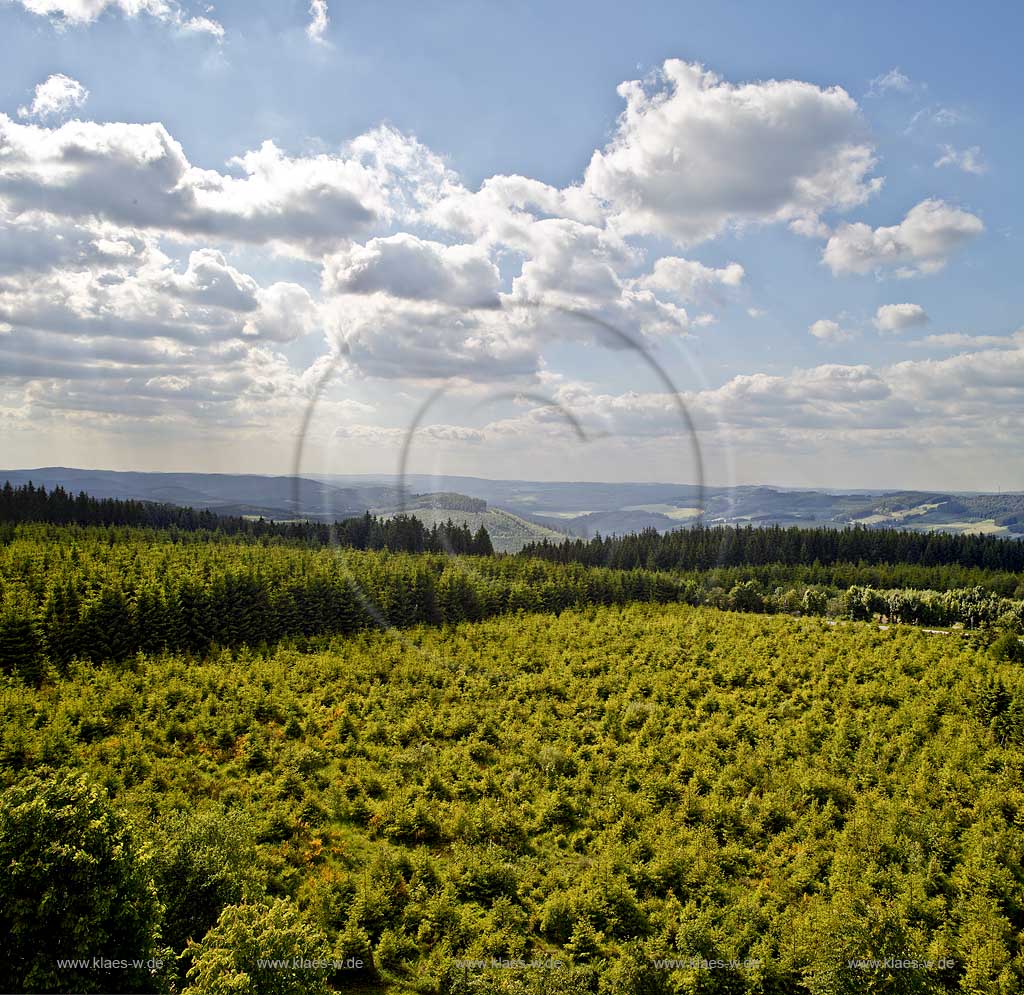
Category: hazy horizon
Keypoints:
(392, 474)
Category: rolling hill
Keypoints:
(508, 532)
(518, 511)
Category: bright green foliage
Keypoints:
(612, 788)
(227, 961)
(74, 885)
(631, 792)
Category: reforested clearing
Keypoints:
(611, 788)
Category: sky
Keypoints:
(749, 243)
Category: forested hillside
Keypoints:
(703, 548)
(614, 800)
(275, 764)
(397, 533)
(105, 594)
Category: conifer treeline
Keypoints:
(704, 548)
(401, 533)
(105, 594)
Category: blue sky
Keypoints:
(810, 218)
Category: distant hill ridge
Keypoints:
(550, 508)
(444, 501)
(27, 503)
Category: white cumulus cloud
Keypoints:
(921, 243)
(415, 269)
(899, 317)
(56, 95)
(211, 281)
(577, 267)
(827, 330)
(695, 154)
(284, 312)
(138, 175)
(687, 279)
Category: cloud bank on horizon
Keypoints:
(154, 306)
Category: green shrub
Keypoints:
(74, 885)
(1008, 647)
(260, 950)
(206, 861)
(635, 973)
(746, 597)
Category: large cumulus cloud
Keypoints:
(138, 175)
(694, 154)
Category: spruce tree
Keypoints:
(482, 543)
(21, 645)
(61, 624)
